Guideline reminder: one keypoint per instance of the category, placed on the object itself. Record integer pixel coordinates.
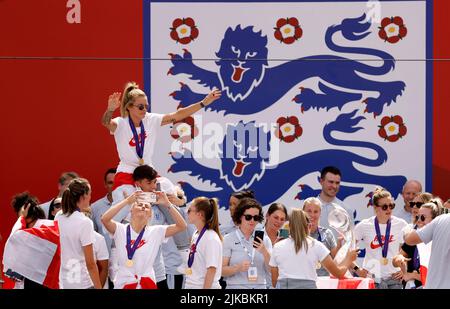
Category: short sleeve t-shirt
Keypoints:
(144, 256)
(438, 231)
(75, 232)
(365, 233)
(125, 144)
(208, 254)
(238, 249)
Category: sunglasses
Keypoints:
(190, 210)
(256, 218)
(141, 107)
(57, 206)
(417, 204)
(420, 218)
(385, 206)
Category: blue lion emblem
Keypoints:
(251, 86)
(244, 164)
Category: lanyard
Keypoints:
(131, 249)
(252, 255)
(385, 245)
(139, 142)
(194, 248)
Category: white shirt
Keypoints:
(438, 231)
(365, 232)
(208, 254)
(46, 207)
(300, 265)
(75, 232)
(101, 252)
(143, 257)
(125, 143)
(98, 209)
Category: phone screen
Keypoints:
(284, 233)
(259, 234)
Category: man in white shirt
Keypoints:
(330, 180)
(63, 183)
(409, 192)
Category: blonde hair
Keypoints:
(298, 228)
(312, 200)
(433, 207)
(378, 194)
(130, 93)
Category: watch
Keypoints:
(356, 268)
(202, 104)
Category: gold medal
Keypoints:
(188, 271)
(141, 161)
(384, 261)
(129, 263)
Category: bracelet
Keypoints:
(356, 268)
(202, 104)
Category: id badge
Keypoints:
(252, 273)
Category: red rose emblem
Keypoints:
(288, 129)
(392, 128)
(288, 30)
(184, 130)
(392, 29)
(184, 30)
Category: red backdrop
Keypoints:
(52, 109)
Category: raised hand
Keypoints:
(212, 96)
(114, 101)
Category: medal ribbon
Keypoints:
(194, 248)
(251, 256)
(416, 258)
(139, 142)
(131, 249)
(386, 237)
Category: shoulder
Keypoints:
(399, 221)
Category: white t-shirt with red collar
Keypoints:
(126, 146)
(144, 256)
(365, 232)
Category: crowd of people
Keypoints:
(146, 234)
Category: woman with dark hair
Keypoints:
(78, 267)
(245, 255)
(235, 198)
(204, 265)
(294, 259)
(276, 217)
(135, 131)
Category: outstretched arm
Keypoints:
(183, 113)
(113, 104)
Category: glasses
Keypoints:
(417, 204)
(141, 107)
(57, 206)
(385, 206)
(421, 218)
(255, 217)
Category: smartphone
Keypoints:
(284, 233)
(259, 234)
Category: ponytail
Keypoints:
(71, 196)
(130, 93)
(210, 209)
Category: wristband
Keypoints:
(202, 104)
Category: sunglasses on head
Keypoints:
(385, 206)
(255, 217)
(416, 204)
(141, 107)
(420, 218)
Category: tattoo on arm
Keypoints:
(106, 118)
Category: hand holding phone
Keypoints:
(258, 234)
